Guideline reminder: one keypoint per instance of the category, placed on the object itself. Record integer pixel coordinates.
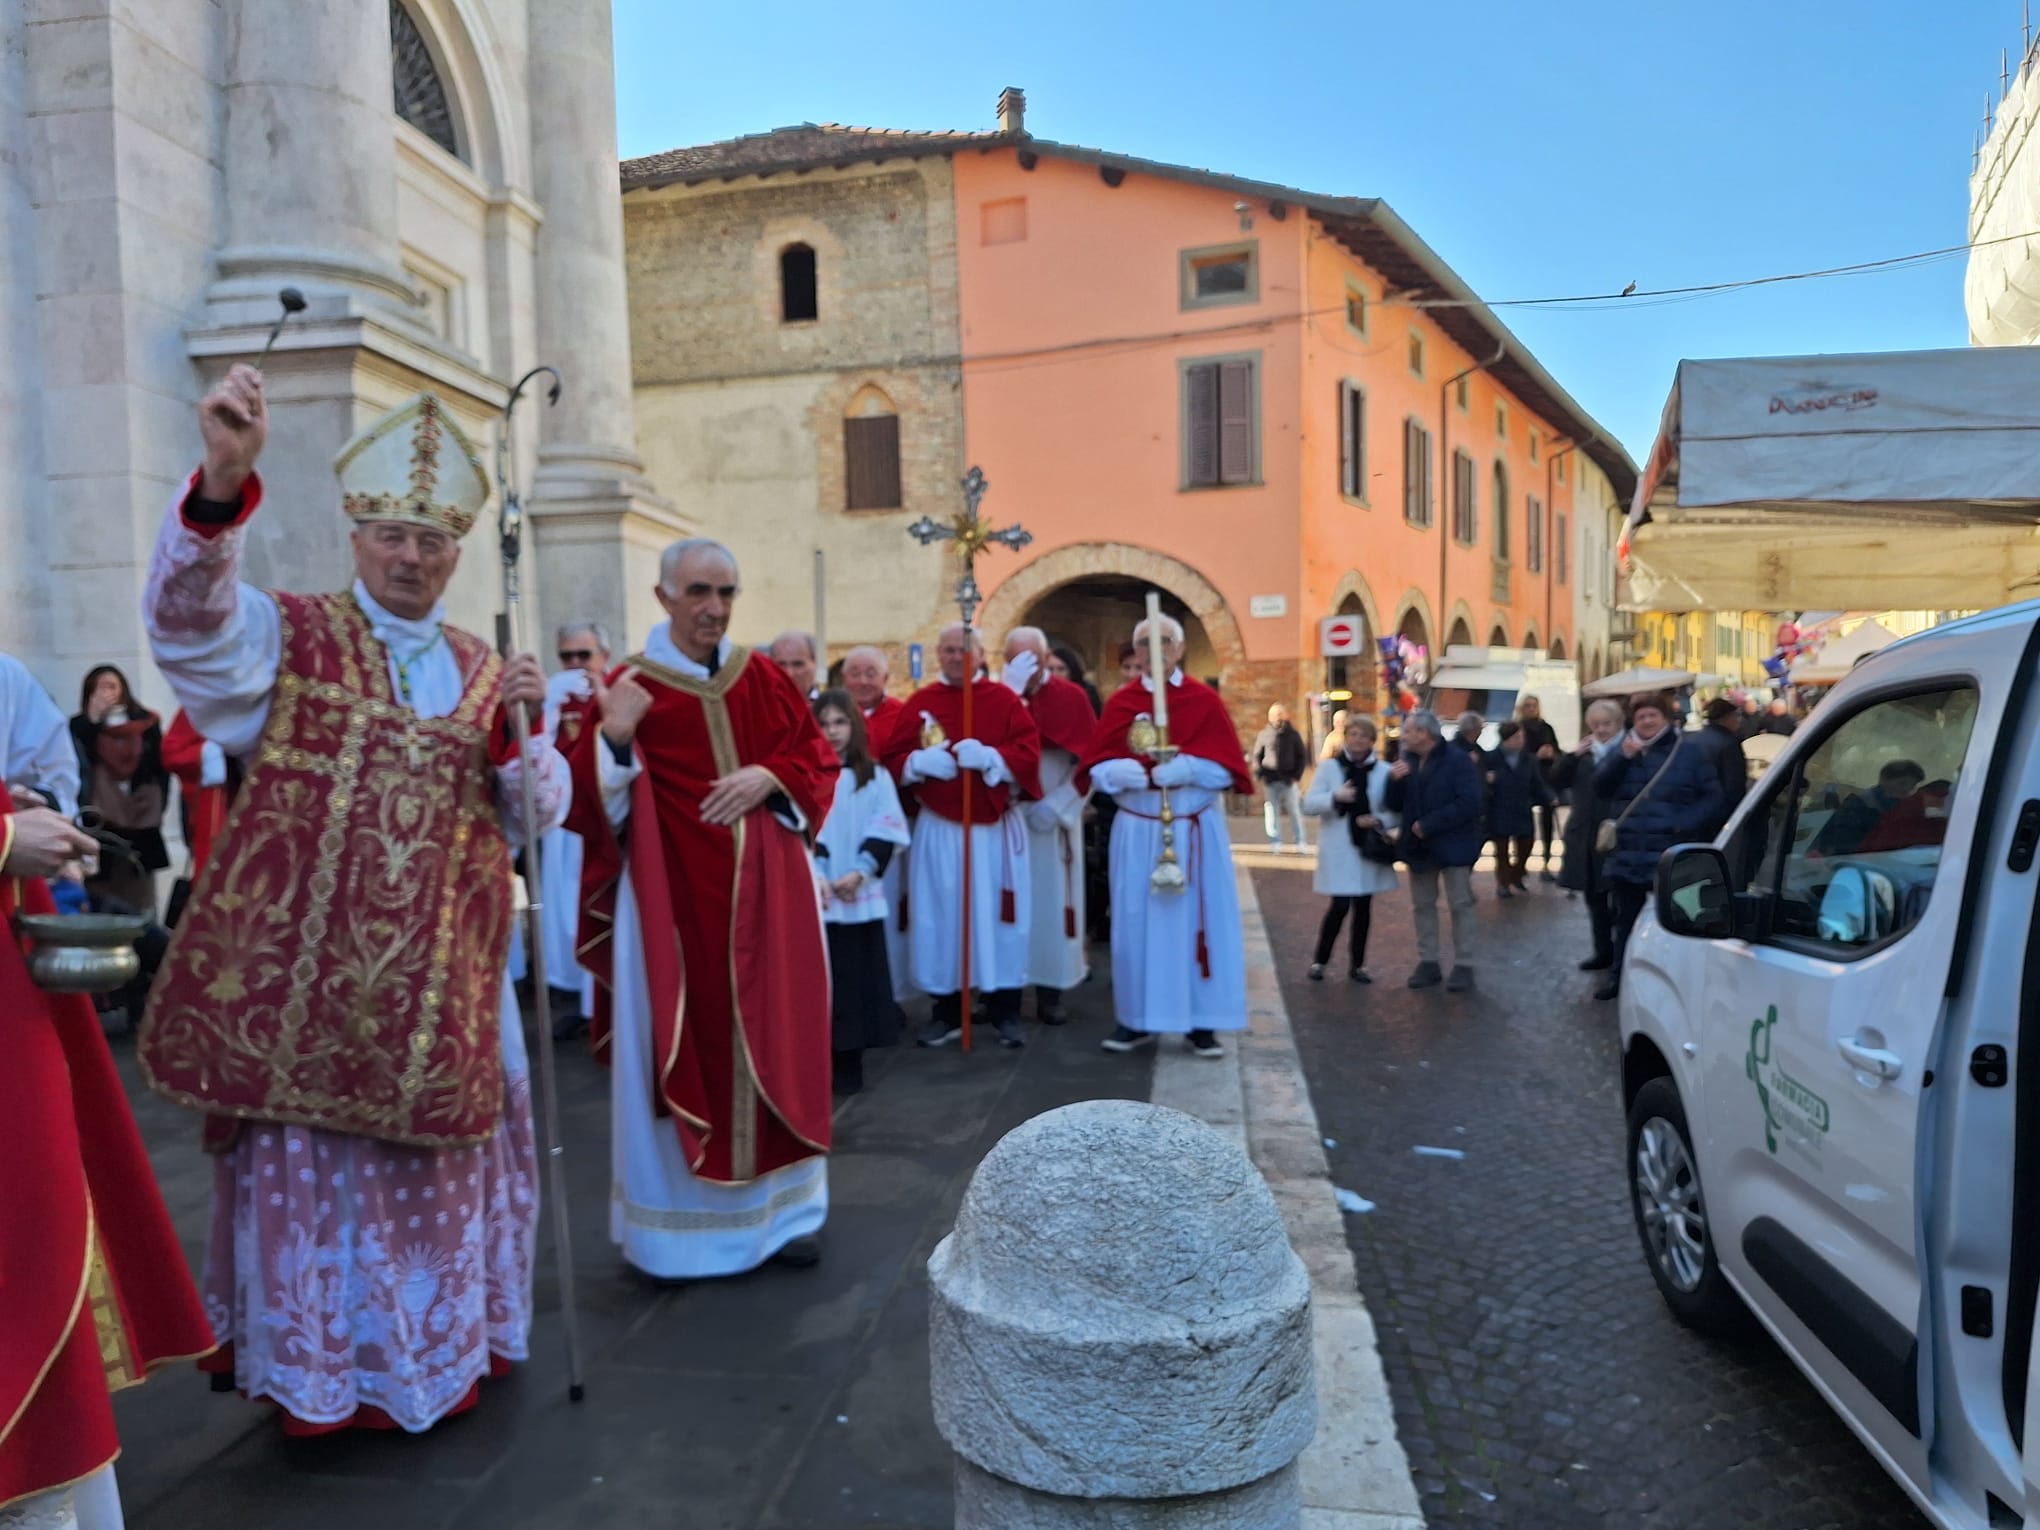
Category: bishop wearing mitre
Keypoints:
(968, 777)
(1178, 959)
(695, 801)
(334, 999)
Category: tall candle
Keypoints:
(1158, 674)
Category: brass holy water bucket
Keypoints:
(82, 953)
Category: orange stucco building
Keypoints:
(1269, 405)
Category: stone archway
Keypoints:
(1359, 677)
(1558, 646)
(1498, 637)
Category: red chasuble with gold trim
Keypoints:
(94, 1291)
(740, 993)
(340, 964)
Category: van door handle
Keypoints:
(1875, 1061)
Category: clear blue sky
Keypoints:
(1540, 149)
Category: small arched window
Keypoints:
(421, 95)
(798, 300)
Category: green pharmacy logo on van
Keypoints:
(1789, 1106)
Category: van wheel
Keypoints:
(1671, 1214)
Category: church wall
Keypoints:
(740, 415)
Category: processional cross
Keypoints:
(971, 536)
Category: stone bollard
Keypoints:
(1120, 1333)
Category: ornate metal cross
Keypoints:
(971, 537)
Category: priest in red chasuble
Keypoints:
(695, 800)
(1178, 958)
(866, 670)
(334, 998)
(930, 753)
(94, 1286)
(1056, 958)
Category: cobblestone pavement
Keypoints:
(1538, 1380)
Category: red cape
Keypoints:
(1198, 724)
(184, 757)
(998, 718)
(740, 1000)
(88, 1257)
(879, 723)
(1063, 713)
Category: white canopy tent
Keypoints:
(1902, 480)
(1834, 658)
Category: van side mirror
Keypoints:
(1695, 897)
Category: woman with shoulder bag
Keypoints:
(1356, 850)
(1658, 794)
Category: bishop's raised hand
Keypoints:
(234, 421)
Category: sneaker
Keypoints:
(1204, 1044)
(1359, 975)
(1051, 1014)
(1317, 972)
(1010, 1035)
(1597, 964)
(938, 1033)
(1460, 981)
(1427, 975)
(1125, 1039)
(1611, 988)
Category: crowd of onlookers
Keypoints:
(1598, 815)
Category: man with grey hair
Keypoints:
(866, 669)
(1056, 960)
(1437, 791)
(797, 653)
(697, 789)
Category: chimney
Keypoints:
(1013, 112)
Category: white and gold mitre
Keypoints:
(413, 465)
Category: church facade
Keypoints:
(430, 174)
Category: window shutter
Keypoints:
(1409, 473)
(871, 462)
(1202, 422)
(1359, 412)
(1235, 422)
(1347, 445)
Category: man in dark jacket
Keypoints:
(1280, 759)
(1437, 791)
(1720, 744)
(1582, 874)
(1661, 793)
(1516, 790)
(1540, 741)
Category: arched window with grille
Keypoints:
(422, 98)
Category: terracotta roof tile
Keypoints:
(806, 146)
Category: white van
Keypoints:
(1833, 1123)
(1491, 680)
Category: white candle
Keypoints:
(1158, 673)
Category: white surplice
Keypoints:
(368, 1234)
(90, 1504)
(1055, 866)
(998, 865)
(1157, 982)
(669, 1223)
(35, 740)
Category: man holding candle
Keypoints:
(1166, 751)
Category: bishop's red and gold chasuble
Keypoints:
(740, 992)
(92, 1282)
(340, 964)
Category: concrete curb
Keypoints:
(1355, 1476)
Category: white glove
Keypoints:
(1181, 770)
(212, 764)
(1116, 776)
(932, 765)
(975, 754)
(1019, 672)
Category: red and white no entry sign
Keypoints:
(1339, 637)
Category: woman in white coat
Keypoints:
(1347, 796)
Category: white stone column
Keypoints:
(310, 159)
(598, 524)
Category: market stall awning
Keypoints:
(1833, 658)
(1900, 480)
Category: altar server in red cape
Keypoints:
(335, 998)
(1178, 963)
(1056, 958)
(695, 800)
(929, 753)
(866, 670)
(207, 780)
(94, 1292)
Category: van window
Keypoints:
(1850, 844)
